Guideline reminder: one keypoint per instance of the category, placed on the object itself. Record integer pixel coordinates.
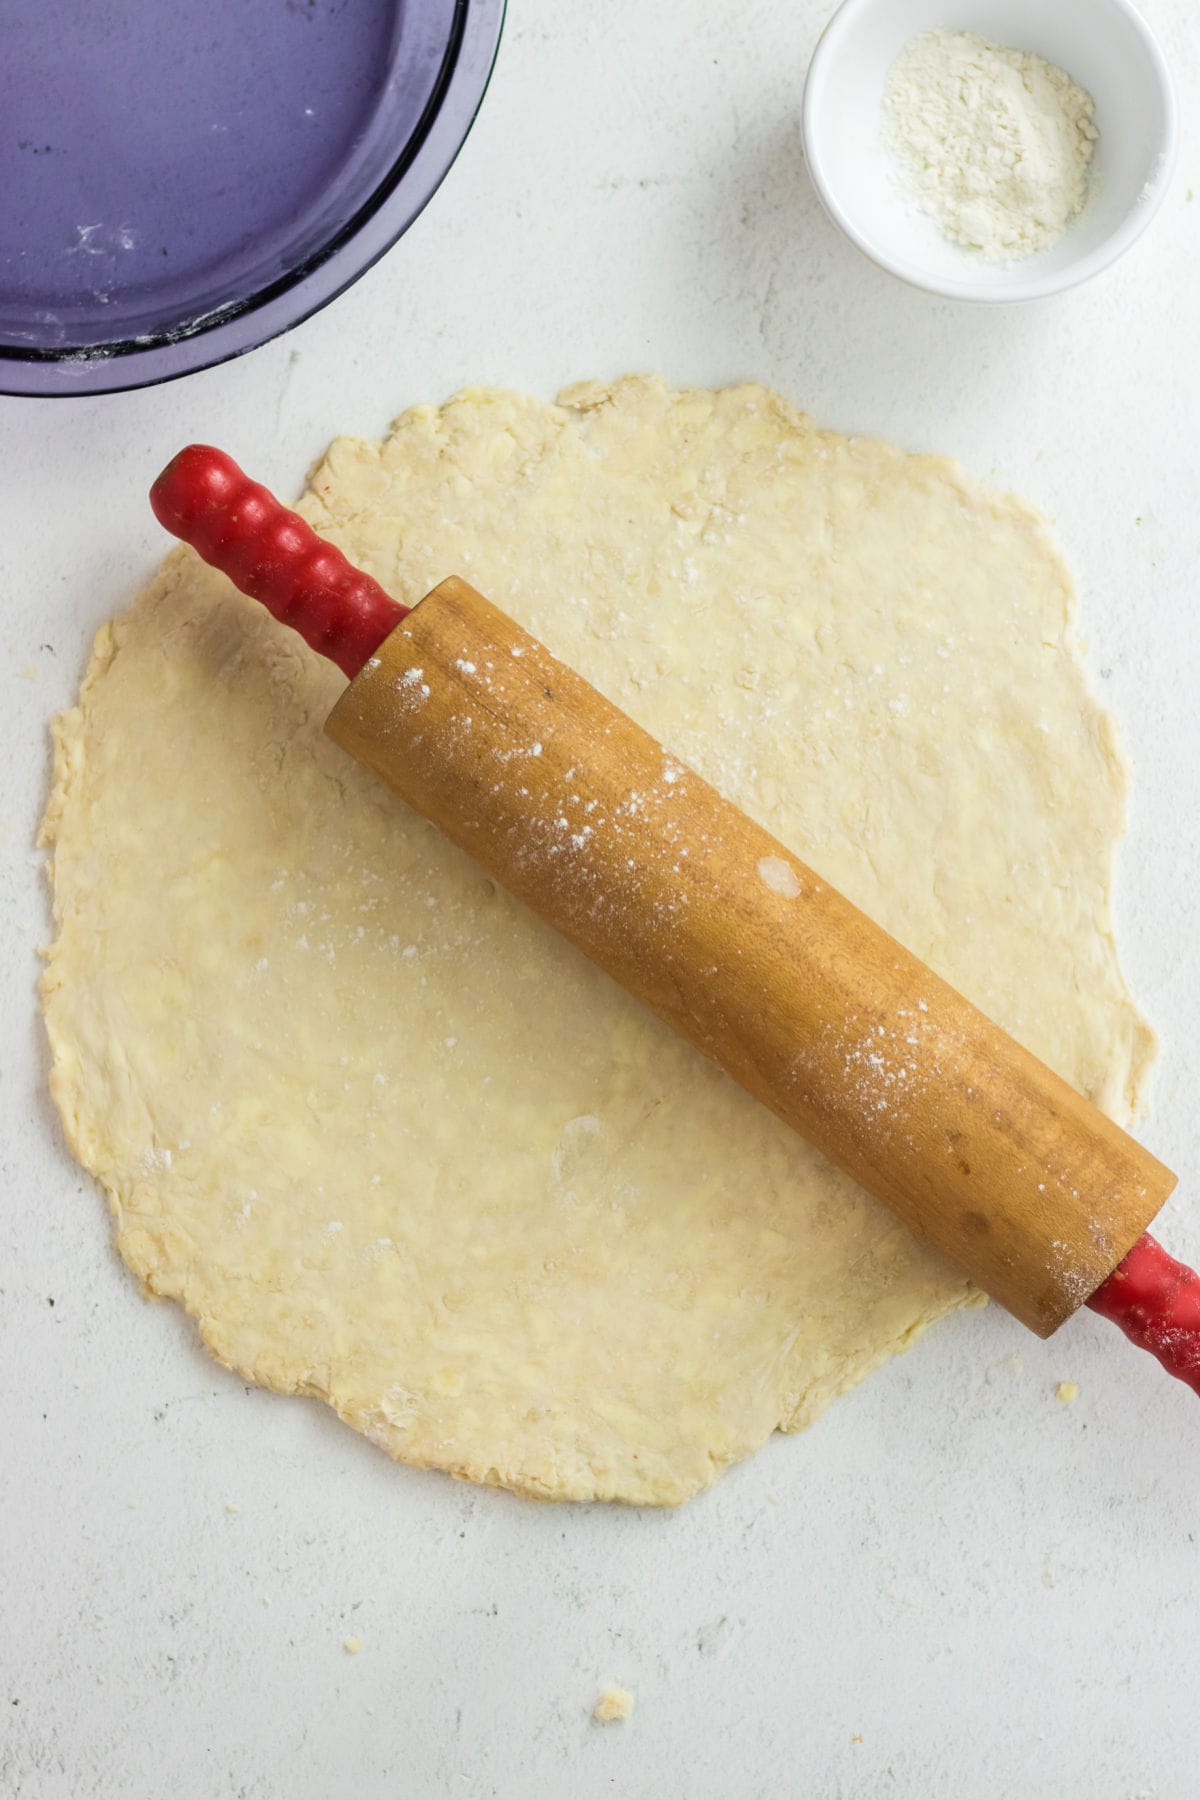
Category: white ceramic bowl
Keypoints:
(1103, 44)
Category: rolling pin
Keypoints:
(719, 928)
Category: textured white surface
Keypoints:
(997, 1594)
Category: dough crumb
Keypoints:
(1066, 1391)
(231, 1506)
(352, 1646)
(614, 1703)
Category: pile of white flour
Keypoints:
(996, 144)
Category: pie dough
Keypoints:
(393, 1143)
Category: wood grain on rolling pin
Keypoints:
(714, 924)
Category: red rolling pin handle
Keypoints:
(271, 554)
(1156, 1302)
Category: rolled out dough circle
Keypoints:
(390, 1141)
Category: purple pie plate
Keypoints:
(181, 182)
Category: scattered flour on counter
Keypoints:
(995, 144)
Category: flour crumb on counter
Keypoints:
(1066, 1392)
(614, 1703)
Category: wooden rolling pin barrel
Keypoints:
(718, 928)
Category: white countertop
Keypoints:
(953, 1586)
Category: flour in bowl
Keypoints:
(995, 144)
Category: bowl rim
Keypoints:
(245, 325)
(1036, 287)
